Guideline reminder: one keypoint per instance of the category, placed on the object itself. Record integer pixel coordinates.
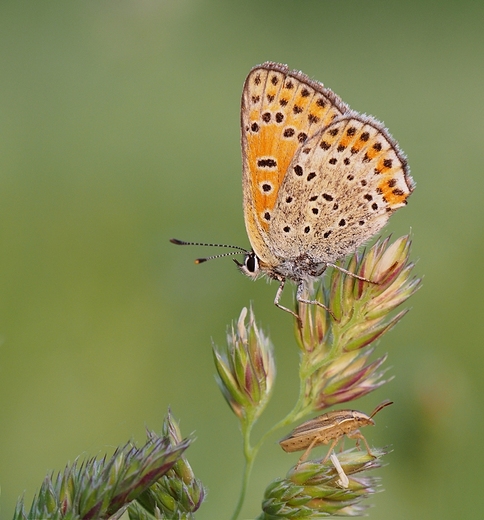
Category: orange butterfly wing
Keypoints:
(280, 111)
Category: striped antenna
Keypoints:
(201, 260)
(387, 402)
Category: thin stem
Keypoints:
(249, 455)
(250, 452)
(292, 415)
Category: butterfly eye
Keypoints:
(250, 267)
(251, 263)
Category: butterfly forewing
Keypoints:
(281, 111)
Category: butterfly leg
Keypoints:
(278, 297)
(349, 273)
(300, 299)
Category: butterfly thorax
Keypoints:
(296, 269)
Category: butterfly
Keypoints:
(319, 179)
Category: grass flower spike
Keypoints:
(335, 353)
(313, 490)
(103, 488)
(246, 368)
(177, 494)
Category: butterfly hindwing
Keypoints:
(339, 190)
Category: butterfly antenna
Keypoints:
(201, 260)
(387, 402)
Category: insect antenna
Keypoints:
(212, 257)
(387, 402)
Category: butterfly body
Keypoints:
(319, 179)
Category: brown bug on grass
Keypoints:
(328, 427)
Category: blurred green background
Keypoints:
(119, 128)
